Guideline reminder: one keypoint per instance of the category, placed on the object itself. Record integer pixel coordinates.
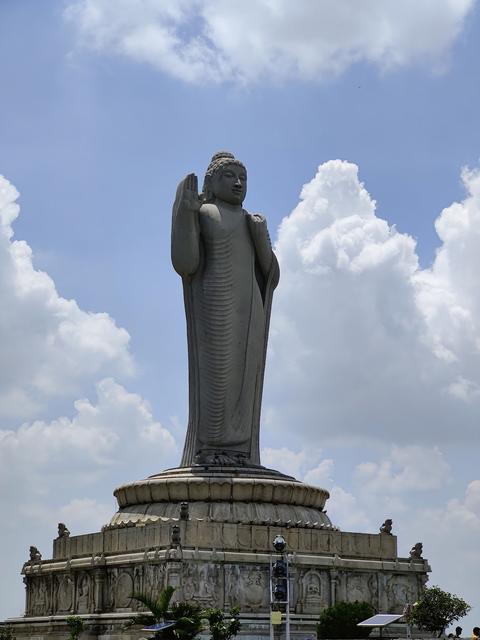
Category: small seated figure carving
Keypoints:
(387, 526)
(175, 540)
(35, 555)
(184, 511)
(63, 532)
(416, 551)
(174, 552)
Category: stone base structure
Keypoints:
(208, 531)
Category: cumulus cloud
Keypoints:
(450, 536)
(449, 529)
(49, 347)
(51, 462)
(83, 515)
(307, 464)
(448, 293)
(406, 469)
(364, 342)
(287, 461)
(369, 349)
(220, 40)
(64, 468)
(390, 482)
(321, 474)
(348, 513)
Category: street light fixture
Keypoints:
(279, 544)
(279, 586)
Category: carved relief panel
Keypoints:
(123, 590)
(203, 583)
(84, 603)
(401, 590)
(40, 599)
(362, 587)
(314, 591)
(247, 586)
(153, 579)
(64, 593)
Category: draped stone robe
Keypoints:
(229, 273)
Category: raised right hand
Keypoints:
(189, 193)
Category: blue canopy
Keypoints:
(160, 626)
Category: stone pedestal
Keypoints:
(208, 532)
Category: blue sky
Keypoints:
(377, 364)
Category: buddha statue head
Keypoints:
(225, 179)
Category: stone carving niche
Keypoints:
(314, 591)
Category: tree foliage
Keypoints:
(221, 626)
(6, 632)
(187, 616)
(436, 609)
(75, 625)
(340, 620)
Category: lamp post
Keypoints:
(279, 585)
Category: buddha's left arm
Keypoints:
(261, 241)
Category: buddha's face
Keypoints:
(230, 184)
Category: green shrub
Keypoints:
(76, 625)
(6, 632)
(340, 621)
(221, 626)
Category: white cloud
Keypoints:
(405, 469)
(284, 460)
(321, 475)
(407, 484)
(448, 293)
(84, 515)
(365, 343)
(449, 529)
(393, 482)
(306, 463)
(450, 535)
(347, 512)
(368, 349)
(49, 347)
(220, 40)
(65, 470)
(115, 433)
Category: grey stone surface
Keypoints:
(95, 575)
(214, 557)
(229, 272)
(213, 497)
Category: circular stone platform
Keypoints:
(238, 495)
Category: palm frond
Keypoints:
(187, 615)
(164, 598)
(154, 606)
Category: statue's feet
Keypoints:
(221, 458)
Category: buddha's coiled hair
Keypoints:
(219, 160)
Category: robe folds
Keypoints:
(229, 273)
